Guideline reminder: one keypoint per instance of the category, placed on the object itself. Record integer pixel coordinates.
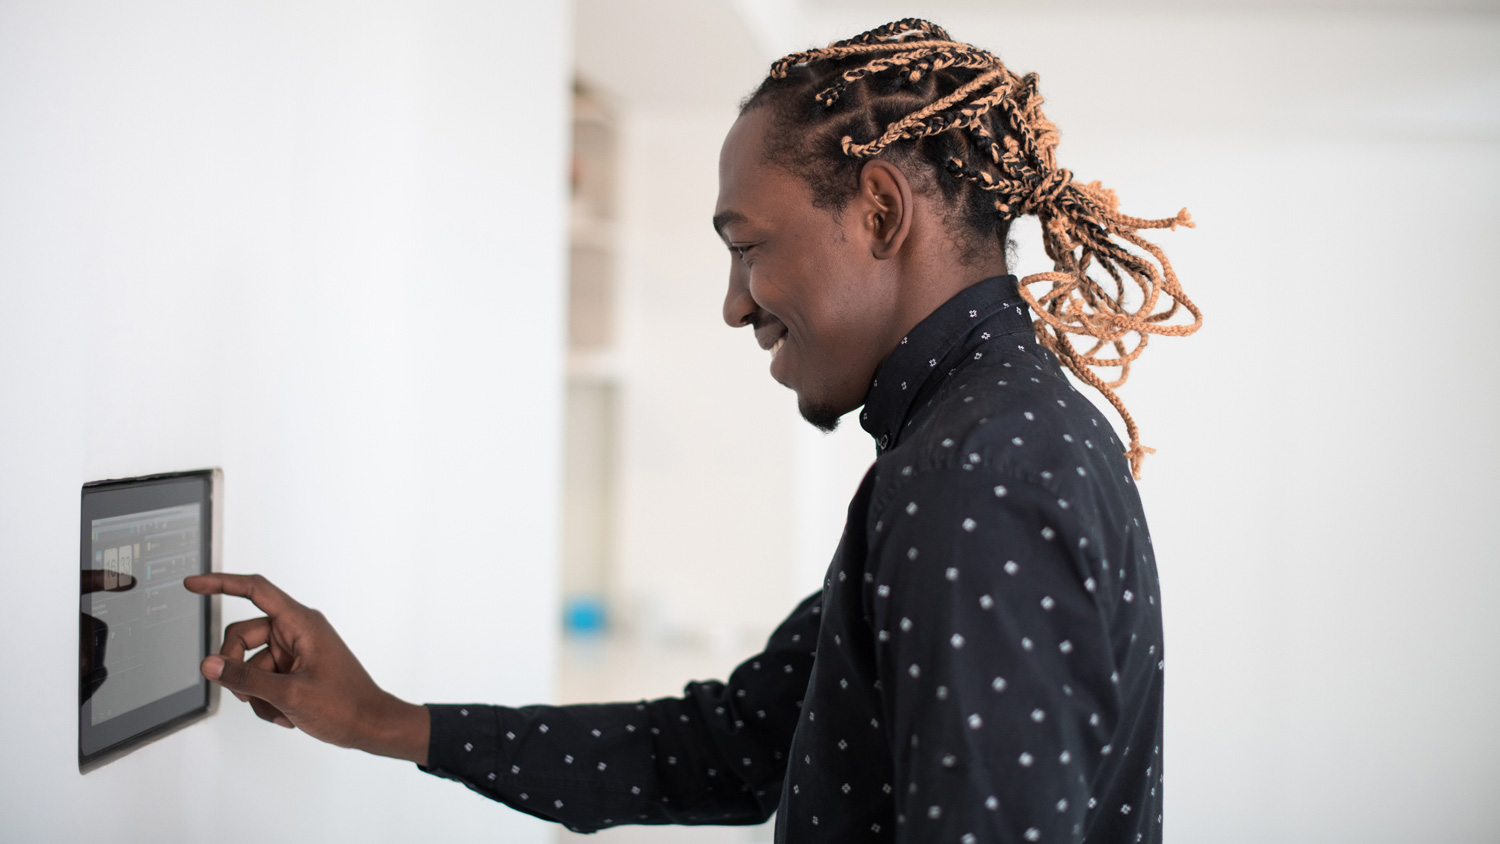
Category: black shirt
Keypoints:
(983, 663)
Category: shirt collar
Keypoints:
(934, 349)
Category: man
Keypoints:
(984, 661)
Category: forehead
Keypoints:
(749, 186)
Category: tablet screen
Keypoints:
(142, 634)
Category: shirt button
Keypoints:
(883, 440)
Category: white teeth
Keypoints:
(776, 347)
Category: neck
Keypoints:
(926, 291)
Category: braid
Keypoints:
(907, 91)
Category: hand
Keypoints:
(93, 634)
(307, 677)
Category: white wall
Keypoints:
(320, 246)
(1326, 469)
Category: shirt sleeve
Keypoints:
(716, 755)
(996, 658)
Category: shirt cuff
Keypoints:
(462, 741)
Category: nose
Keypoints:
(739, 307)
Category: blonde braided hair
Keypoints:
(917, 92)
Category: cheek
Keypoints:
(827, 289)
(815, 283)
(773, 292)
(849, 304)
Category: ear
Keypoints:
(885, 206)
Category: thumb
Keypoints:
(238, 676)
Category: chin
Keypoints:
(821, 416)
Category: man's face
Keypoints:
(805, 278)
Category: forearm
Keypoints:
(714, 755)
(595, 765)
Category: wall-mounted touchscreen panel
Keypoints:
(142, 635)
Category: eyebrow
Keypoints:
(724, 218)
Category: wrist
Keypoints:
(403, 731)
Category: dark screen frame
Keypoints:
(104, 742)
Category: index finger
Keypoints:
(261, 592)
(94, 580)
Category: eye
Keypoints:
(741, 249)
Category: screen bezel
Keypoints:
(101, 499)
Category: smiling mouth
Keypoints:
(776, 347)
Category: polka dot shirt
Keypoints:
(983, 664)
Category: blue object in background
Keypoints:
(583, 615)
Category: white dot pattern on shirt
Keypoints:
(1047, 603)
(1000, 600)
